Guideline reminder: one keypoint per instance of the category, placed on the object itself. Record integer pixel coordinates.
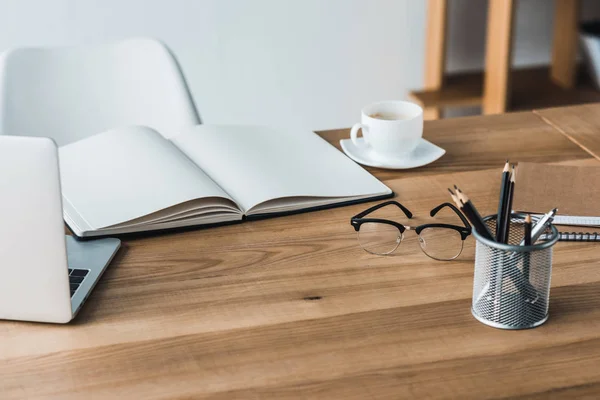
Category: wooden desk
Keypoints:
(292, 307)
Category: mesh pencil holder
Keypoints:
(511, 286)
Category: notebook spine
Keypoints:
(575, 236)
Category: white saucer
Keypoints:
(425, 153)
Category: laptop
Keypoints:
(45, 276)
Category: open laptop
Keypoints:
(45, 276)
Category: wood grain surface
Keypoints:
(580, 124)
(293, 308)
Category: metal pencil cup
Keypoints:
(511, 287)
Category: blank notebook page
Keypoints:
(127, 173)
(255, 164)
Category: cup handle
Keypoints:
(354, 134)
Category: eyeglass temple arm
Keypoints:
(387, 203)
(453, 207)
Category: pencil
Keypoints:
(457, 202)
(527, 240)
(473, 215)
(508, 209)
(455, 199)
(466, 212)
(460, 206)
(504, 183)
(527, 236)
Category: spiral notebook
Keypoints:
(575, 191)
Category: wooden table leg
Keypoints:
(498, 56)
(564, 47)
(435, 51)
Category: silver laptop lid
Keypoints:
(34, 283)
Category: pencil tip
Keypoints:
(451, 192)
(528, 218)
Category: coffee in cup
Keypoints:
(389, 116)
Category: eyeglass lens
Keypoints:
(378, 238)
(441, 243)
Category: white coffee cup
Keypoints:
(391, 128)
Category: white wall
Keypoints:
(310, 62)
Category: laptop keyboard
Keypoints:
(76, 276)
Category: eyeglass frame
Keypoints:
(464, 231)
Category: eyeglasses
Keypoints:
(442, 242)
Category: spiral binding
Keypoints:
(575, 236)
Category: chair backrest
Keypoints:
(69, 93)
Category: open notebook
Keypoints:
(134, 180)
(575, 191)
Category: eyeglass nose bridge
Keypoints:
(422, 242)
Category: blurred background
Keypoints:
(314, 62)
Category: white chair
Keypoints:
(69, 93)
